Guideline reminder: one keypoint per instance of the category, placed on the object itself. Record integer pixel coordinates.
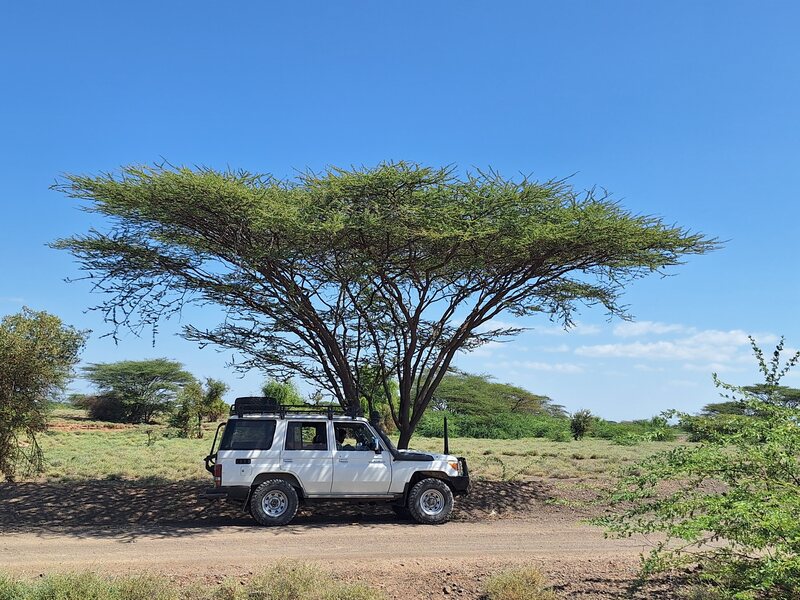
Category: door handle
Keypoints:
(344, 460)
(287, 460)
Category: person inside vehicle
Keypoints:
(341, 436)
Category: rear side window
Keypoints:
(307, 436)
(248, 434)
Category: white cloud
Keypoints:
(557, 348)
(486, 349)
(578, 328)
(707, 350)
(551, 367)
(497, 324)
(640, 328)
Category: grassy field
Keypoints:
(75, 448)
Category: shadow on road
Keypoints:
(164, 508)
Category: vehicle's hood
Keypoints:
(429, 456)
(413, 455)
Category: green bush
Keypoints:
(499, 426)
(728, 505)
(580, 423)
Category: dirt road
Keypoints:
(119, 527)
(240, 547)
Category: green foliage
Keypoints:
(501, 426)
(37, 355)
(478, 407)
(522, 583)
(187, 414)
(477, 395)
(135, 391)
(579, 423)
(400, 266)
(213, 406)
(738, 488)
(656, 429)
(282, 392)
(732, 414)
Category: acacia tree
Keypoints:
(37, 354)
(397, 267)
(478, 395)
(136, 390)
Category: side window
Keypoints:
(353, 436)
(248, 434)
(307, 436)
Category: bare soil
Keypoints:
(162, 526)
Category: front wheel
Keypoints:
(430, 501)
(274, 502)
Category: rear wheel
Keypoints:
(430, 501)
(274, 502)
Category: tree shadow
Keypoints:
(157, 507)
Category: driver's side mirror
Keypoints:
(376, 446)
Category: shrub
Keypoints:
(524, 583)
(737, 488)
(103, 408)
(579, 423)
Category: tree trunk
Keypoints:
(405, 438)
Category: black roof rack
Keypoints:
(249, 405)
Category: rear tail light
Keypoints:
(217, 475)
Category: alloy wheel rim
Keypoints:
(432, 502)
(274, 503)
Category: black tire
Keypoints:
(274, 502)
(402, 512)
(430, 501)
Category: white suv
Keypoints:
(275, 457)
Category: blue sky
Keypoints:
(686, 110)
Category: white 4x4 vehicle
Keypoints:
(273, 457)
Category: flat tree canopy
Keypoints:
(479, 395)
(137, 390)
(394, 268)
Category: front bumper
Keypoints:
(460, 483)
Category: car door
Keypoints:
(245, 444)
(357, 468)
(307, 454)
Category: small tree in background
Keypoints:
(282, 392)
(580, 423)
(37, 355)
(729, 504)
(214, 406)
(135, 391)
(187, 415)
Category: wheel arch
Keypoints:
(420, 475)
(262, 477)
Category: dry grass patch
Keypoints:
(524, 583)
(285, 581)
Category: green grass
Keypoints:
(285, 581)
(536, 457)
(143, 451)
